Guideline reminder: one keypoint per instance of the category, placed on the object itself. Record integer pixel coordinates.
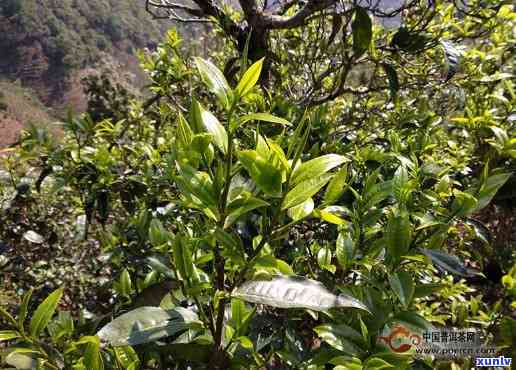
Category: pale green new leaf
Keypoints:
(22, 361)
(8, 335)
(211, 124)
(266, 176)
(337, 186)
(336, 335)
(215, 80)
(464, 204)
(316, 167)
(92, 356)
(196, 183)
(265, 117)
(44, 312)
(305, 190)
(22, 315)
(249, 79)
(342, 337)
(184, 132)
(183, 260)
(125, 283)
(302, 210)
(126, 356)
(344, 249)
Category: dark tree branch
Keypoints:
(274, 21)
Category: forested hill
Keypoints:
(47, 39)
(47, 46)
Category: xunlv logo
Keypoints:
(493, 361)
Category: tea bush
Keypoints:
(244, 230)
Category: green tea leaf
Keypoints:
(184, 132)
(345, 249)
(44, 312)
(398, 235)
(413, 319)
(337, 186)
(304, 190)
(342, 337)
(266, 117)
(266, 176)
(240, 207)
(375, 363)
(8, 335)
(211, 124)
(294, 292)
(324, 256)
(249, 79)
(183, 259)
(22, 361)
(448, 262)
(464, 204)
(147, 324)
(362, 28)
(302, 210)
(392, 77)
(126, 286)
(126, 356)
(215, 80)
(316, 167)
(489, 188)
(197, 183)
(22, 315)
(92, 356)
(403, 286)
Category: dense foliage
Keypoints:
(244, 230)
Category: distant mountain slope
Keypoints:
(48, 45)
(43, 42)
(45, 39)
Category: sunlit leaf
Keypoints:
(265, 117)
(294, 292)
(8, 335)
(266, 176)
(147, 324)
(302, 210)
(337, 186)
(316, 167)
(211, 124)
(215, 80)
(304, 191)
(249, 79)
(22, 361)
(241, 206)
(126, 356)
(344, 249)
(44, 312)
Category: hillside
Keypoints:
(49, 45)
